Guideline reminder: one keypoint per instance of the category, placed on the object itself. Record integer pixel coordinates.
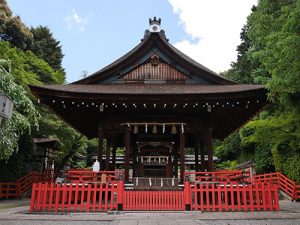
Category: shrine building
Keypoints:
(155, 102)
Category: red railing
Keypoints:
(297, 192)
(8, 190)
(23, 184)
(234, 197)
(75, 197)
(285, 184)
(153, 200)
(224, 176)
(112, 196)
(84, 176)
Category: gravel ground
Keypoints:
(30, 222)
(15, 213)
(157, 222)
(253, 222)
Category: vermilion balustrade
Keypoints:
(23, 184)
(96, 196)
(285, 184)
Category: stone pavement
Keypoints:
(13, 214)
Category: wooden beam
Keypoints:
(127, 150)
(100, 148)
(182, 155)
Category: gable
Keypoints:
(139, 65)
(149, 73)
(154, 67)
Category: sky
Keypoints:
(94, 33)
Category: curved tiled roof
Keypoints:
(147, 89)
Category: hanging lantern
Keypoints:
(135, 129)
(209, 108)
(182, 128)
(146, 128)
(173, 130)
(163, 128)
(154, 130)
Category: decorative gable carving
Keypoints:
(155, 71)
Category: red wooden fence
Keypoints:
(233, 197)
(8, 190)
(288, 186)
(202, 196)
(297, 192)
(83, 176)
(23, 184)
(75, 197)
(222, 176)
(153, 200)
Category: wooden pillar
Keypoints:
(176, 162)
(113, 162)
(134, 162)
(202, 155)
(127, 151)
(197, 157)
(134, 156)
(107, 155)
(100, 148)
(209, 149)
(182, 156)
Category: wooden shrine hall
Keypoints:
(155, 102)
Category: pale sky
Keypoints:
(94, 33)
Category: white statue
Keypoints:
(96, 166)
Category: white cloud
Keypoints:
(214, 26)
(74, 20)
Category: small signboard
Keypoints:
(6, 106)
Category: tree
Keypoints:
(271, 57)
(46, 47)
(241, 70)
(12, 29)
(26, 68)
(24, 118)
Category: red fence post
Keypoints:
(276, 199)
(187, 195)
(18, 190)
(33, 196)
(120, 195)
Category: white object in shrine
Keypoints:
(96, 166)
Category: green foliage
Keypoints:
(91, 151)
(274, 28)
(241, 70)
(26, 67)
(269, 54)
(229, 148)
(227, 165)
(292, 168)
(263, 159)
(35, 58)
(46, 47)
(13, 30)
(21, 162)
(25, 116)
